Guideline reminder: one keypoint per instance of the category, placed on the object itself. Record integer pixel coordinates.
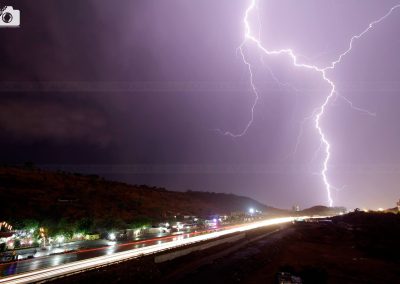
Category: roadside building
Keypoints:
(7, 238)
(296, 208)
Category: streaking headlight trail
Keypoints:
(95, 262)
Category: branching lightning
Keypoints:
(362, 110)
(318, 113)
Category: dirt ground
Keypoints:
(352, 249)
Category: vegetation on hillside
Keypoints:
(66, 200)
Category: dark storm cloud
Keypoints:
(32, 121)
(50, 47)
(182, 43)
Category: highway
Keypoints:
(105, 248)
(61, 265)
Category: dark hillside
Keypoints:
(33, 193)
(322, 211)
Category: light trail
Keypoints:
(84, 265)
(138, 242)
(319, 112)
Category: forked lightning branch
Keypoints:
(322, 73)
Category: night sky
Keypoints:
(135, 90)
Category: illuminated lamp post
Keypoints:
(42, 233)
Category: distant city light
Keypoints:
(251, 210)
(112, 236)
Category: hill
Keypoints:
(37, 194)
(322, 211)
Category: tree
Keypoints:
(111, 223)
(139, 222)
(30, 224)
(84, 225)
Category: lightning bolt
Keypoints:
(319, 112)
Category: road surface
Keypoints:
(26, 265)
(61, 265)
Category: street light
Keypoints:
(42, 234)
(111, 236)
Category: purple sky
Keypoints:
(133, 91)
